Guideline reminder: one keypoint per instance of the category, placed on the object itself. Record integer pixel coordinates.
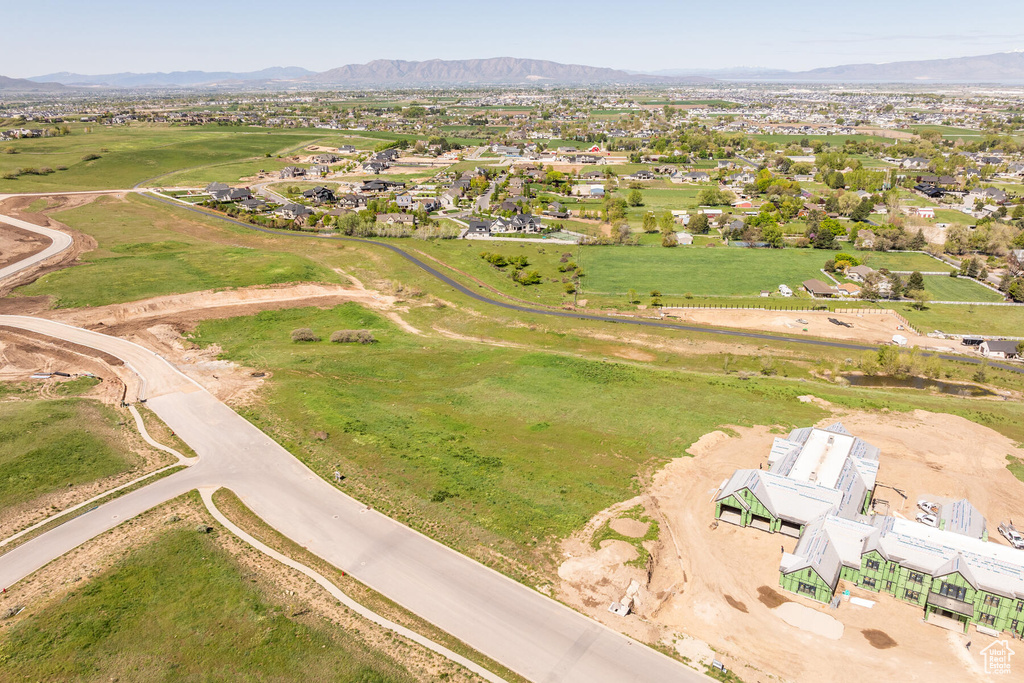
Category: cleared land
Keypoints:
(719, 583)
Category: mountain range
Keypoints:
(1003, 67)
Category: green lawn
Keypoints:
(517, 445)
(181, 609)
(942, 288)
(48, 445)
(147, 249)
(719, 271)
(965, 319)
(128, 155)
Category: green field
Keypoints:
(720, 271)
(514, 445)
(129, 155)
(950, 132)
(965, 319)
(146, 249)
(942, 288)
(49, 445)
(833, 140)
(181, 609)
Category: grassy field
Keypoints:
(48, 445)
(950, 132)
(181, 609)
(147, 250)
(942, 288)
(832, 140)
(521, 446)
(128, 155)
(965, 319)
(721, 271)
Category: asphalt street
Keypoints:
(525, 631)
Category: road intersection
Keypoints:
(537, 637)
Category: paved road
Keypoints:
(537, 637)
(623, 320)
(58, 243)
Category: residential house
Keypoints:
(291, 172)
(523, 222)
(346, 149)
(691, 177)
(396, 218)
(478, 229)
(292, 211)
(352, 201)
(866, 239)
(319, 194)
(994, 348)
(817, 288)
(319, 170)
(252, 205)
(684, 238)
(1015, 262)
(859, 273)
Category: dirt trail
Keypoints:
(18, 208)
(724, 591)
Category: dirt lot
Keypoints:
(17, 244)
(871, 328)
(718, 586)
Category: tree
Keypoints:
(915, 282)
(772, 234)
(1018, 212)
(666, 223)
(635, 198)
(669, 240)
(650, 222)
(918, 242)
(862, 211)
(847, 203)
(633, 298)
(699, 224)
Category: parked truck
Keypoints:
(1010, 533)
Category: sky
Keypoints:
(142, 35)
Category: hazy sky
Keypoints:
(46, 36)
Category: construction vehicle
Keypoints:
(1010, 533)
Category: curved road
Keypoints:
(458, 286)
(521, 629)
(58, 243)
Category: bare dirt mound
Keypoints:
(879, 639)
(769, 597)
(633, 528)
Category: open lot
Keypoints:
(413, 423)
(144, 250)
(183, 608)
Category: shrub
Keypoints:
(90, 157)
(304, 334)
(352, 336)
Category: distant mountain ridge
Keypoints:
(26, 85)
(1003, 67)
(494, 71)
(174, 78)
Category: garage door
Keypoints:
(731, 515)
(790, 529)
(762, 523)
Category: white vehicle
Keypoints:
(925, 518)
(1010, 533)
(784, 290)
(928, 507)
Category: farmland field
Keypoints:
(720, 271)
(129, 155)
